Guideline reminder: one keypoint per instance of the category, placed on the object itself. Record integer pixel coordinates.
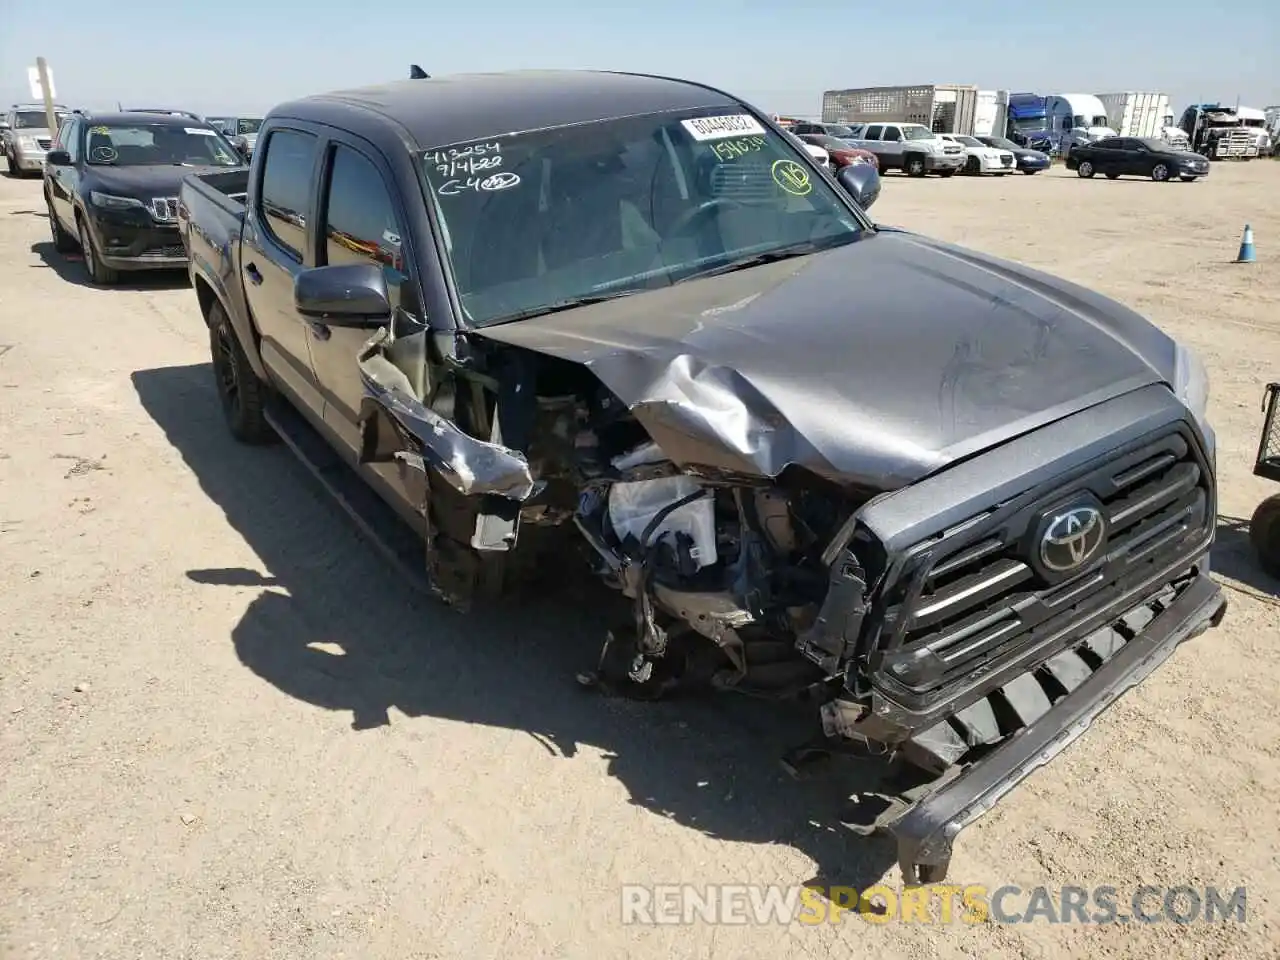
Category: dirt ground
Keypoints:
(227, 730)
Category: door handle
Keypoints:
(319, 330)
(251, 271)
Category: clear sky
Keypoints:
(243, 56)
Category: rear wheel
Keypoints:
(1160, 173)
(914, 166)
(973, 165)
(1264, 533)
(1085, 169)
(242, 393)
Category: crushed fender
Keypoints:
(473, 467)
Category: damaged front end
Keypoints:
(923, 621)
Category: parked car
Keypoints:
(841, 152)
(910, 147)
(819, 153)
(111, 187)
(1136, 157)
(165, 111)
(26, 136)
(958, 504)
(839, 130)
(1027, 160)
(241, 131)
(980, 158)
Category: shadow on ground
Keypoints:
(70, 268)
(1233, 556)
(710, 764)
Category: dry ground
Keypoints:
(227, 731)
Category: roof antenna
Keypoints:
(417, 73)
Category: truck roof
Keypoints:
(138, 116)
(453, 109)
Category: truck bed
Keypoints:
(211, 210)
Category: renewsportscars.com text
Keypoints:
(936, 904)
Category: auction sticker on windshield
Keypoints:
(717, 128)
(792, 177)
(199, 132)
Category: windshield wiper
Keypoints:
(757, 259)
(567, 304)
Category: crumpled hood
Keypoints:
(872, 364)
(146, 181)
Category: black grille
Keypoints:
(164, 208)
(972, 599)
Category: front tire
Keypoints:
(1085, 169)
(1030, 173)
(1188, 179)
(946, 173)
(63, 242)
(972, 166)
(914, 166)
(1160, 173)
(99, 275)
(241, 392)
(1264, 533)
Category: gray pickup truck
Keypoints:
(910, 147)
(628, 309)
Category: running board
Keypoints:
(374, 519)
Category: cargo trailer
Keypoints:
(1134, 114)
(943, 108)
(991, 119)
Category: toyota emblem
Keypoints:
(1072, 538)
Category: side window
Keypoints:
(361, 225)
(286, 188)
(874, 133)
(892, 134)
(69, 139)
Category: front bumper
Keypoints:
(132, 240)
(944, 161)
(29, 161)
(996, 165)
(1033, 163)
(926, 833)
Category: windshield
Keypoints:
(1002, 143)
(913, 131)
(245, 127)
(538, 221)
(1029, 124)
(838, 130)
(970, 141)
(155, 144)
(34, 120)
(1157, 146)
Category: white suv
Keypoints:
(27, 136)
(910, 147)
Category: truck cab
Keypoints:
(1076, 118)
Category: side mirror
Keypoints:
(862, 182)
(343, 295)
(58, 158)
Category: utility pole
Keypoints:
(43, 67)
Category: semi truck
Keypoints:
(1218, 132)
(1026, 124)
(1076, 118)
(943, 108)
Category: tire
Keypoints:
(913, 165)
(1030, 173)
(973, 166)
(1188, 179)
(241, 392)
(946, 173)
(1113, 176)
(1160, 173)
(98, 274)
(63, 242)
(1264, 534)
(11, 166)
(1085, 169)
